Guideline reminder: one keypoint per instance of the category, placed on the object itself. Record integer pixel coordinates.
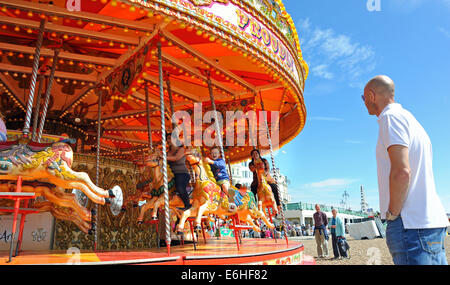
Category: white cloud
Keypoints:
(321, 71)
(334, 55)
(444, 31)
(330, 119)
(354, 142)
(332, 182)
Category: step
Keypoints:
(21, 210)
(17, 195)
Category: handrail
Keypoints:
(308, 206)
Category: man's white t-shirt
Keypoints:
(422, 208)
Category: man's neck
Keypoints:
(383, 106)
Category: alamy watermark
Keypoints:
(75, 256)
(236, 129)
(374, 5)
(374, 255)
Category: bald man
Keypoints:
(416, 219)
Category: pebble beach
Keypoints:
(362, 252)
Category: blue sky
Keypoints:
(345, 45)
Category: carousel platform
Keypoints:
(211, 252)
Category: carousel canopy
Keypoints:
(248, 51)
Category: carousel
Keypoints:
(90, 90)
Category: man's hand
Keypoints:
(399, 177)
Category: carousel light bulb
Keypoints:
(17, 29)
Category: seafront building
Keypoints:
(241, 174)
(297, 213)
(302, 213)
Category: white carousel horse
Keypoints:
(50, 165)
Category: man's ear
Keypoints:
(371, 95)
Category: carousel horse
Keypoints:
(266, 199)
(151, 188)
(208, 198)
(46, 170)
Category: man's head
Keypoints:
(334, 212)
(317, 208)
(215, 153)
(378, 93)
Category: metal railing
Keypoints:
(306, 206)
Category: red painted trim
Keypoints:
(243, 260)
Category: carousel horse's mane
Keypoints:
(208, 172)
(34, 146)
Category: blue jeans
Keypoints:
(415, 246)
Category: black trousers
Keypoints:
(181, 182)
(254, 189)
(274, 187)
(275, 193)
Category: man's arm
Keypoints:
(399, 177)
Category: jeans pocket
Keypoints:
(432, 240)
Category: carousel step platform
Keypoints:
(21, 210)
(241, 227)
(214, 252)
(17, 195)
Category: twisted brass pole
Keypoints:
(47, 97)
(164, 149)
(37, 55)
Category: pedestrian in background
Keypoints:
(320, 232)
(337, 230)
(416, 219)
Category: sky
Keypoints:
(346, 44)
